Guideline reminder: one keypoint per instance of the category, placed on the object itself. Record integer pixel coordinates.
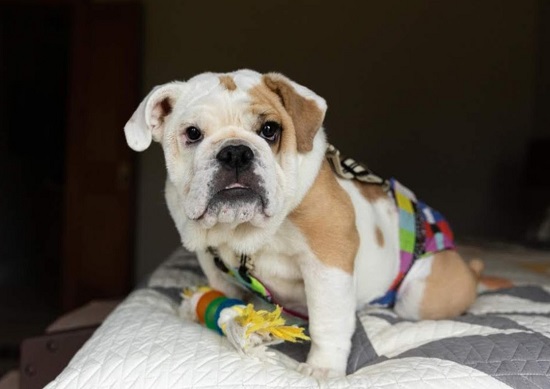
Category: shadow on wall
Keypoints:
(440, 95)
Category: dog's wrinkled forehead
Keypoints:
(208, 85)
(217, 100)
(225, 99)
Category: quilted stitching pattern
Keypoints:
(502, 343)
(391, 340)
(428, 373)
(521, 359)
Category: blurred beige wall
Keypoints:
(438, 94)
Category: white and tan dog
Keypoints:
(247, 175)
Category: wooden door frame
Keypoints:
(73, 293)
(80, 12)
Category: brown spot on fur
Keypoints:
(305, 113)
(371, 192)
(379, 236)
(228, 82)
(267, 107)
(326, 217)
(450, 288)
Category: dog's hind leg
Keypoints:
(438, 287)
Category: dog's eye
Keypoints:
(193, 134)
(270, 130)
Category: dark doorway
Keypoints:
(34, 55)
(69, 80)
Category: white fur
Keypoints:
(373, 271)
(144, 125)
(331, 314)
(281, 256)
(411, 290)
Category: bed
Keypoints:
(502, 342)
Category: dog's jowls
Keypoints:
(247, 175)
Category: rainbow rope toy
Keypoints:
(243, 326)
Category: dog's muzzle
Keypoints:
(235, 180)
(237, 192)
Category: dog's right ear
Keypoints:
(147, 122)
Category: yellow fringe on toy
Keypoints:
(268, 323)
(244, 327)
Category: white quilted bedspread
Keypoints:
(502, 343)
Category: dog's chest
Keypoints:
(275, 266)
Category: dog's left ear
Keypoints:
(306, 108)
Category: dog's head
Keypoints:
(240, 148)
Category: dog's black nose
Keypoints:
(235, 157)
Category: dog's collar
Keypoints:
(350, 169)
(241, 275)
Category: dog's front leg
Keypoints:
(331, 309)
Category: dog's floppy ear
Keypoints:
(147, 122)
(306, 108)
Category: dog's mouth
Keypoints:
(235, 193)
(236, 202)
(237, 187)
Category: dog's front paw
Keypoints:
(326, 361)
(319, 372)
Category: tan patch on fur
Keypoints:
(228, 82)
(450, 288)
(306, 115)
(268, 107)
(379, 236)
(477, 266)
(326, 217)
(371, 192)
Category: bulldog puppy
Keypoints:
(250, 189)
